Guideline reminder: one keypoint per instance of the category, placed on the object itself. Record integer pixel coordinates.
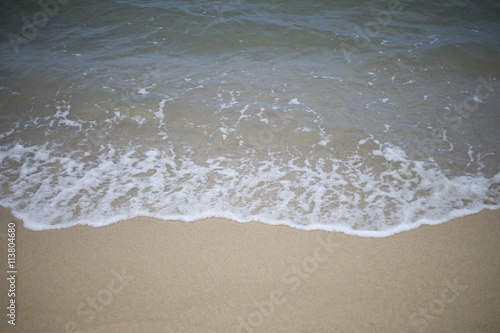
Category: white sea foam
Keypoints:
(51, 191)
(193, 126)
(277, 162)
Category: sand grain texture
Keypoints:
(147, 275)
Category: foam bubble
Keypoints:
(241, 145)
(50, 191)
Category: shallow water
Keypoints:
(363, 117)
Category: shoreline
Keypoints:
(216, 275)
(388, 232)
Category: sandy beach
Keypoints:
(147, 275)
(331, 130)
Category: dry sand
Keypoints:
(147, 275)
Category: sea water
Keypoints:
(363, 117)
